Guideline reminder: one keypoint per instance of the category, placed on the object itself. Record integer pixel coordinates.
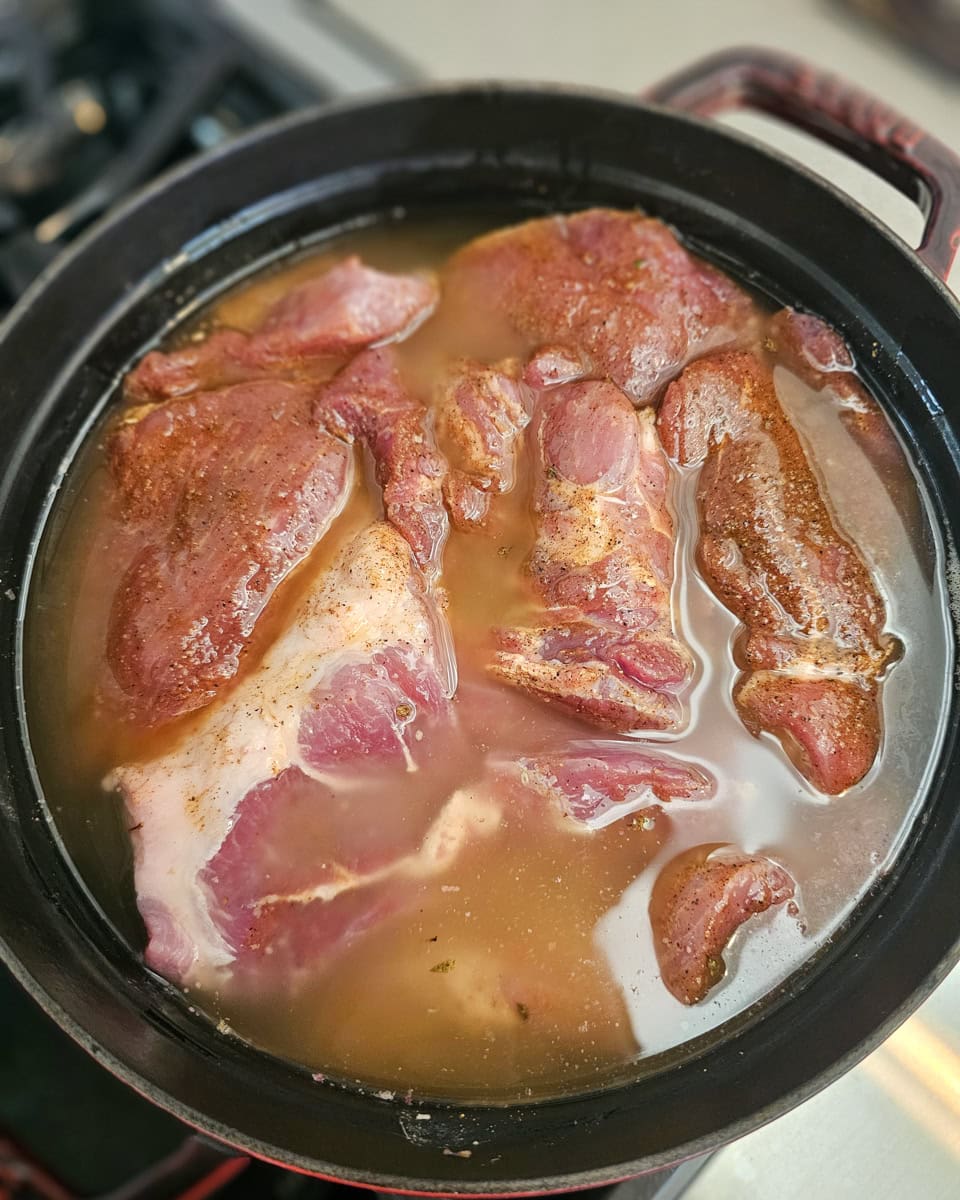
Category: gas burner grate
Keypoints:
(95, 99)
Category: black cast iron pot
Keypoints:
(521, 150)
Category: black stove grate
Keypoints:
(96, 98)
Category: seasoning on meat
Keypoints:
(821, 358)
(700, 899)
(813, 649)
(345, 308)
(244, 847)
(481, 411)
(602, 564)
(369, 401)
(595, 783)
(223, 494)
(614, 290)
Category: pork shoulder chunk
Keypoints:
(613, 290)
(481, 413)
(814, 647)
(223, 494)
(369, 402)
(700, 899)
(251, 842)
(342, 310)
(602, 566)
(596, 783)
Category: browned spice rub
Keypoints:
(814, 647)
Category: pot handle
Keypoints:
(919, 166)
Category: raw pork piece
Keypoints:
(615, 290)
(602, 564)
(552, 365)
(700, 899)
(347, 307)
(225, 493)
(254, 847)
(814, 647)
(368, 400)
(821, 358)
(817, 353)
(481, 413)
(592, 784)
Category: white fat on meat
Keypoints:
(183, 804)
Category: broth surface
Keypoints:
(528, 967)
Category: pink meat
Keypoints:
(305, 871)
(831, 727)
(596, 783)
(481, 413)
(263, 833)
(347, 307)
(602, 566)
(217, 360)
(614, 290)
(369, 401)
(552, 365)
(343, 310)
(821, 358)
(226, 493)
(365, 709)
(813, 648)
(700, 899)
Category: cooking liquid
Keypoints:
(528, 967)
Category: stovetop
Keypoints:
(97, 98)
